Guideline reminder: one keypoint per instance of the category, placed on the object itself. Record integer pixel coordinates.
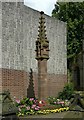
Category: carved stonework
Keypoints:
(42, 55)
(42, 44)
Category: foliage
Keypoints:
(58, 102)
(53, 110)
(67, 92)
(73, 14)
(30, 90)
(30, 106)
(27, 106)
(52, 100)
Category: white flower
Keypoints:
(40, 102)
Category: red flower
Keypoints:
(42, 103)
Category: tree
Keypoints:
(30, 90)
(73, 14)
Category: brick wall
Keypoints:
(56, 83)
(17, 82)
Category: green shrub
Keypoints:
(67, 92)
(51, 100)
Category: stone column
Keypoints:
(42, 79)
(42, 55)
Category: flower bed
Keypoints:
(31, 106)
(47, 111)
(44, 112)
(27, 106)
(58, 102)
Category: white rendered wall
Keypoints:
(19, 33)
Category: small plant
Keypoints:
(27, 106)
(67, 92)
(42, 103)
(51, 100)
(58, 102)
(47, 111)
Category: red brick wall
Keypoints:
(35, 79)
(56, 83)
(0, 80)
(17, 81)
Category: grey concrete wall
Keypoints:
(12, 35)
(0, 34)
(19, 33)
